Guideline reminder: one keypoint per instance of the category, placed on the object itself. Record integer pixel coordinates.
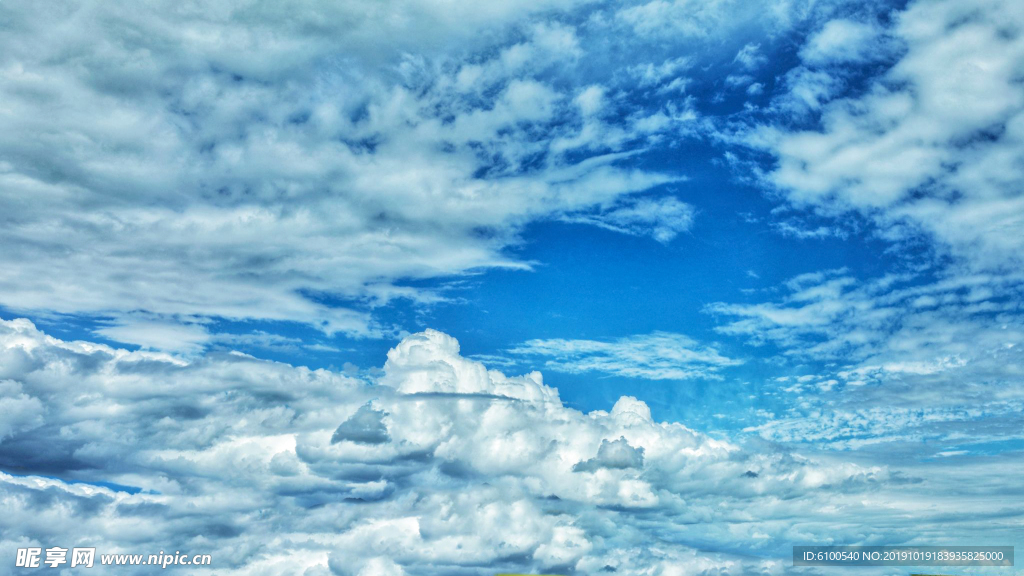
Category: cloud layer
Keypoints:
(183, 165)
(166, 167)
(439, 466)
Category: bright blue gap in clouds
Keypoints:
(596, 284)
(601, 285)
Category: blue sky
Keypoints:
(670, 286)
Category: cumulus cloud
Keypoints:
(477, 471)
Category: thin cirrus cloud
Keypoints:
(654, 356)
(170, 169)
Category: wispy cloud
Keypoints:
(661, 218)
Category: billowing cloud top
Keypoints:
(440, 466)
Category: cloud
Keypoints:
(801, 230)
(654, 356)
(806, 91)
(20, 412)
(661, 218)
(750, 57)
(880, 151)
(893, 429)
(681, 20)
(305, 164)
(158, 334)
(650, 74)
(164, 169)
(842, 41)
(617, 454)
(186, 166)
(894, 320)
(899, 363)
(478, 472)
(366, 426)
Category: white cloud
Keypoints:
(478, 471)
(167, 167)
(899, 363)
(931, 145)
(681, 20)
(842, 41)
(617, 454)
(806, 91)
(252, 162)
(158, 335)
(897, 318)
(661, 218)
(19, 411)
(655, 356)
(750, 57)
(653, 75)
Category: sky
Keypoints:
(417, 287)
